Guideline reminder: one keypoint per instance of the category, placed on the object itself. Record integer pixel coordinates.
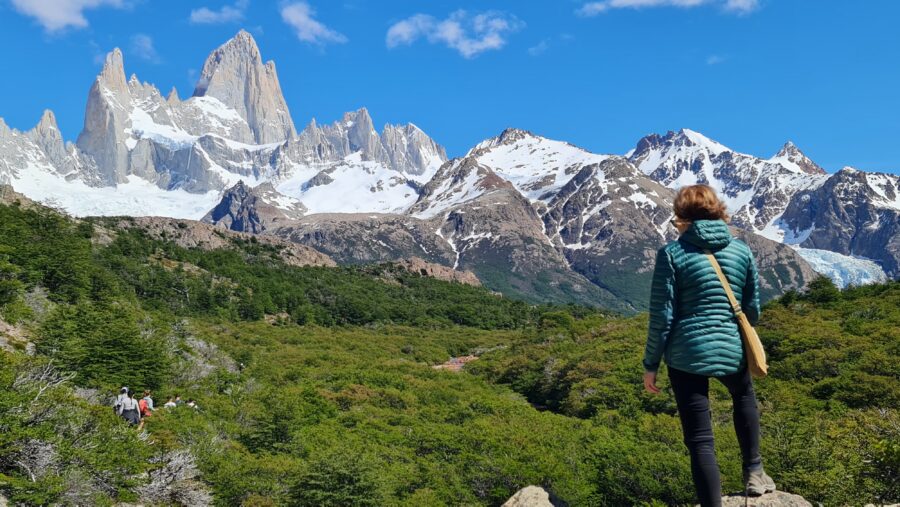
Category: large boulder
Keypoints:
(773, 499)
(532, 496)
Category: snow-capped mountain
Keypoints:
(530, 216)
(787, 198)
(347, 167)
(140, 153)
(757, 190)
(600, 213)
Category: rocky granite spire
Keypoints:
(412, 150)
(172, 98)
(236, 75)
(47, 136)
(355, 132)
(108, 106)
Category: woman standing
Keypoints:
(692, 326)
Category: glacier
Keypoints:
(844, 270)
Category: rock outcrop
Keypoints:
(254, 210)
(192, 234)
(532, 496)
(9, 196)
(430, 269)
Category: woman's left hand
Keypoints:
(650, 382)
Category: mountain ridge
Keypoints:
(230, 155)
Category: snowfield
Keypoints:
(137, 197)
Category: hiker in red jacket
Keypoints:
(146, 407)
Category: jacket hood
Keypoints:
(708, 234)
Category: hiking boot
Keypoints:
(757, 482)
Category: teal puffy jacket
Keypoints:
(691, 322)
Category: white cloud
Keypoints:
(539, 48)
(741, 6)
(714, 59)
(142, 46)
(227, 14)
(735, 6)
(547, 43)
(299, 15)
(54, 15)
(469, 35)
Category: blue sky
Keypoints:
(599, 74)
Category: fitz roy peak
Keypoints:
(531, 217)
(235, 75)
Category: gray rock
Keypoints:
(251, 210)
(357, 238)
(430, 269)
(532, 496)
(773, 499)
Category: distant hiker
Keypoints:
(146, 405)
(131, 411)
(170, 403)
(120, 399)
(178, 401)
(191, 403)
(693, 326)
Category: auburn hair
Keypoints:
(699, 202)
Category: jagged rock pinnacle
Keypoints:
(235, 75)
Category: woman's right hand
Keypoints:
(650, 382)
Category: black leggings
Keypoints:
(692, 397)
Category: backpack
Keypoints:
(145, 410)
(118, 406)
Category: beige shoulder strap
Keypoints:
(735, 306)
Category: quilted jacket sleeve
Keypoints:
(662, 310)
(750, 296)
